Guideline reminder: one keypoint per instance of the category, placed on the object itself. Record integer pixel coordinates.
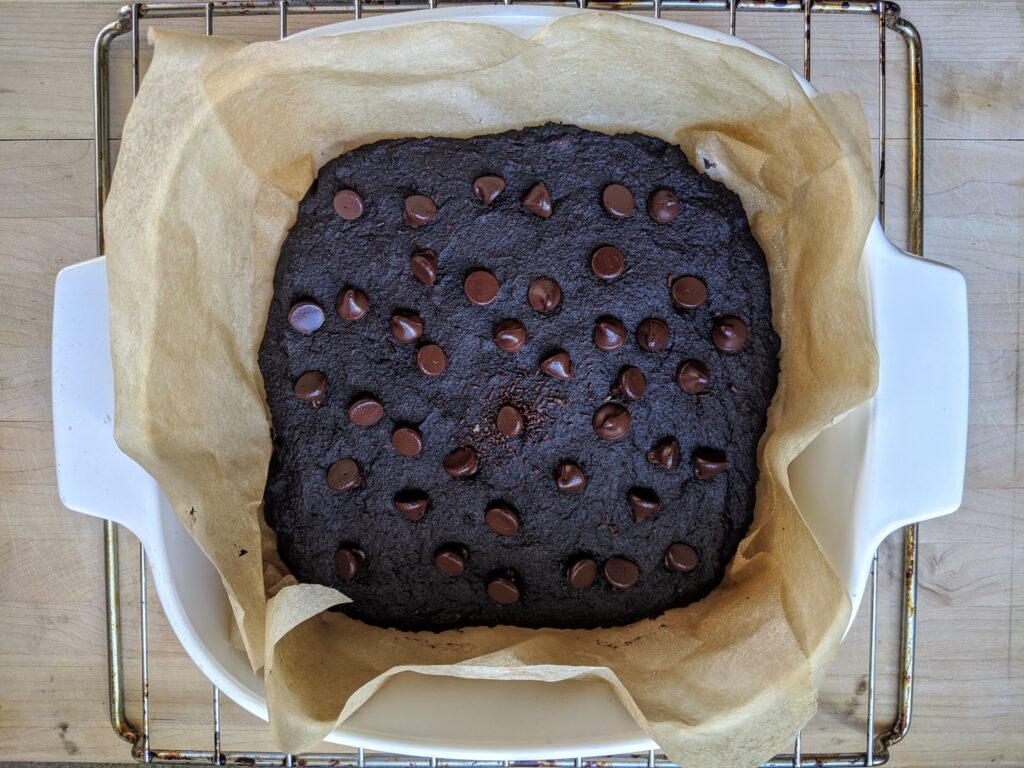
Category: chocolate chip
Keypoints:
(431, 359)
(311, 388)
(510, 335)
(503, 589)
(407, 441)
(544, 294)
(348, 560)
(708, 462)
(348, 204)
(611, 421)
(418, 210)
(665, 453)
(424, 266)
(692, 377)
(644, 502)
(461, 462)
(481, 287)
(630, 383)
(351, 304)
(569, 477)
(509, 421)
(451, 559)
(607, 262)
(306, 316)
(663, 206)
(609, 334)
(689, 292)
(582, 573)
(502, 519)
(344, 475)
(558, 366)
(406, 327)
(538, 201)
(652, 334)
(618, 201)
(681, 558)
(620, 572)
(365, 412)
(729, 334)
(487, 188)
(411, 505)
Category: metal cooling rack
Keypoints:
(877, 744)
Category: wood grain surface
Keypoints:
(969, 695)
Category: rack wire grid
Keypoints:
(877, 744)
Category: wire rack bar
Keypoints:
(877, 748)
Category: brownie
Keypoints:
(516, 379)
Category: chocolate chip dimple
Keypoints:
(344, 475)
(630, 383)
(406, 327)
(681, 558)
(407, 441)
(607, 262)
(665, 453)
(502, 519)
(663, 205)
(538, 201)
(311, 388)
(544, 294)
(306, 316)
(503, 589)
(424, 266)
(581, 574)
(461, 462)
(510, 335)
(431, 359)
(644, 502)
(418, 210)
(620, 572)
(365, 412)
(618, 201)
(451, 559)
(351, 304)
(569, 477)
(708, 462)
(609, 334)
(692, 377)
(487, 188)
(729, 334)
(348, 204)
(481, 287)
(348, 560)
(652, 334)
(412, 504)
(509, 421)
(611, 421)
(558, 366)
(689, 292)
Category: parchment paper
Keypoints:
(220, 147)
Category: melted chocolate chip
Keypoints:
(365, 412)
(620, 572)
(344, 475)
(538, 201)
(582, 573)
(348, 204)
(692, 377)
(611, 421)
(509, 421)
(412, 505)
(451, 559)
(652, 334)
(729, 334)
(510, 335)
(558, 366)
(644, 502)
(407, 441)
(503, 589)
(663, 206)
(424, 266)
(609, 334)
(681, 558)
(461, 462)
(481, 287)
(431, 359)
(351, 304)
(665, 454)
(630, 383)
(618, 201)
(406, 327)
(689, 292)
(306, 316)
(487, 188)
(348, 560)
(607, 262)
(502, 519)
(311, 388)
(418, 210)
(570, 478)
(544, 294)
(708, 462)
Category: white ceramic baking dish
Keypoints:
(895, 460)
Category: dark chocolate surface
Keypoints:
(398, 583)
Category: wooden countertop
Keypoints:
(969, 695)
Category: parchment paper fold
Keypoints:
(221, 145)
